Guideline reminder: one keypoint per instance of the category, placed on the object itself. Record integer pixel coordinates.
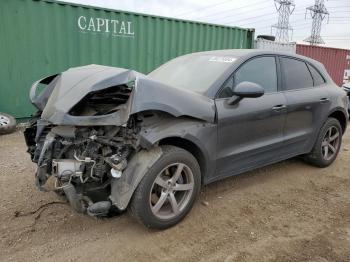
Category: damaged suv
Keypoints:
(111, 139)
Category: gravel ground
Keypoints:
(285, 212)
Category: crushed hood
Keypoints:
(67, 89)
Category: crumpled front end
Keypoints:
(88, 95)
(88, 132)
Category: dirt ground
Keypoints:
(285, 212)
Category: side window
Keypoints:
(296, 74)
(261, 70)
(318, 79)
(227, 91)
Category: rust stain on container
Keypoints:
(336, 61)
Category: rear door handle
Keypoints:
(279, 107)
(324, 100)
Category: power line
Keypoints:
(233, 21)
(206, 7)
(336, 7)
(246, 16)
(249, 18)
(244, 19)
(235, 9)
(345, 23)
(295, 22)
(238, 8)
(242, 7)
(270, 19)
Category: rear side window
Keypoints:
(261, 70)
(296, 74)
(318, 79)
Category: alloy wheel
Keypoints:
(171, 191)
(330, 143)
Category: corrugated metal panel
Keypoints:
(40, 38)
(336, 61)
(274, 46)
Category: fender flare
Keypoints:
(335, 109)
(345, 115)
(338, 108)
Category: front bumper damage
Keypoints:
(89, 134)
(97, 169)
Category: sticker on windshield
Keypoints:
(222, 59)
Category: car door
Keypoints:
(250, 133)
(307, 102)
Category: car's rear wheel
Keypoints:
(327, 145)
(168, 190)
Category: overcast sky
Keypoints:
(258, 14)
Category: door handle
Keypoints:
(324, 100)
(279, 107)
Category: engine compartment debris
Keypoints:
(82, 160)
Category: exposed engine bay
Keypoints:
(82, 160)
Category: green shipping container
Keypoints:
(40, 38)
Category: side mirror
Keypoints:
(245, 90)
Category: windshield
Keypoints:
(191, 72)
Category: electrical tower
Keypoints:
(318, 13)
(284, 8)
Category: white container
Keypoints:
(275, 46)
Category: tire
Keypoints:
(148, 194)
(317, 156)
(7, 123)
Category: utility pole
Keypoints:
(318, 13)
(284, 8)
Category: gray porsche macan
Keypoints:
(111, 138)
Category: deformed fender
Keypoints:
(203, 135)
(149, 94)
(123, 188)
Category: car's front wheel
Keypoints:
(327, 144)
(168, 190)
